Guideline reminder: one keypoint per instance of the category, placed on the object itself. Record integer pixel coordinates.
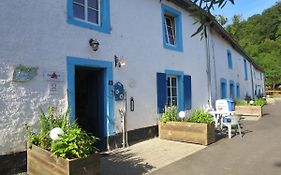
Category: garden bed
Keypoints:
(253, 111)
(40, 161)
(200, 133)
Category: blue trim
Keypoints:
(246, 69)
(178, 24)
(108, 98)
(104, 18)
(229, 59)
(231, 89)
(180, 75)
(223, 86)
(237, 90)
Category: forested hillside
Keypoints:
(260, 36)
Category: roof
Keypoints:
(187, 4)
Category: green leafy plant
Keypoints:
(74, 143)
(259, 102)
(241, 103)
(47, 121)
(199, 116)
(170, 114)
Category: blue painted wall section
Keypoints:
(108, 97)
(161, 92)
(232, 89)
(223, 86)
(171, 11)
(245, 69)
(237, 90)
(105, 17)
(229, 59)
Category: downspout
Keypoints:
(252, 80)
(214, 66)
(208, 62)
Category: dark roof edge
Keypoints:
(186, 4)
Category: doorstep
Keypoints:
(146, 156)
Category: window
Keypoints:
(229, 59)
(231, 89)
(172, 89)
(172, 28)
(92, 14)
(245, 69)
(87, 10)
(223, 88)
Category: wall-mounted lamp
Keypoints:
(94, 43)
(119, 62)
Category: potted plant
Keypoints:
(251, 108)
(199, 128)
(60, 147)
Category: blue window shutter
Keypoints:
(161, 92)
(187, 92)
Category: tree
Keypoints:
(221, 19)
(206, 6)
(260, 36)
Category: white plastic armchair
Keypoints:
(232, 121)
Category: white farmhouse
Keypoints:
(77, 54)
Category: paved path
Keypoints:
(257, 153)
(146, 157)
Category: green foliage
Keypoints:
(199, 116)
(260, 36)
(259, 102)
(74, 143)
(47, 122)
(170, 114)
(199, 12)
(241, 103)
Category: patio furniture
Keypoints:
(232, 121)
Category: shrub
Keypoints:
(259, 102)
(199, 116)
(241, 103)
(170, 114)
(74, 143)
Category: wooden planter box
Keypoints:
(187, 132)
(40, 162)
(255, 111)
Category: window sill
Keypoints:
(87, 25)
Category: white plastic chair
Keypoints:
(232, 121)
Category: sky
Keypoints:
(245, 7)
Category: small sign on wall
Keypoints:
(53, 88)
(53, 76)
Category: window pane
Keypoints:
(93, 16)
(169, 92)
(174, 91)
(168, 21)
(174, 81)
(168, 81)
(79, 1)
(171, 38)
(78, 11)
(174, 101)
(93, 4)
(169, 102)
